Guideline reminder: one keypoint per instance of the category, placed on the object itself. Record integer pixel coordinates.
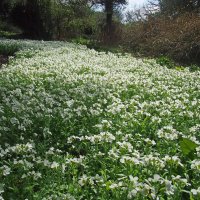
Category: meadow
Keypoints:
(77, 124)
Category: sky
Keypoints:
(132, 3)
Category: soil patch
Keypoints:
(3, 60)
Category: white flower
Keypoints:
(54, 165)
(195, 164)
(6, 170)
(195, 191)
(83, 180)
(133, 179)
(132, 194)
(156, 177)
(126, 145)
(169, 187)
(113, 186)
(151, 142)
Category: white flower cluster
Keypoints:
(168, 132)
(18, 148)
(195, 164)
(80, 124)
(102, 137)
(195, 191)
(83, 180)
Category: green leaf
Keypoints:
(187, 146)
(108, 184)
(1, 188)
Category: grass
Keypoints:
(8, 49)
(7, 34)
(80, 124)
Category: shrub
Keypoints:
(177, 38)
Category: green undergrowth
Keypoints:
(8, 49)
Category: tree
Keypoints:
(176, 7)
(75, 17)
(34, 17)
(109, 6)
(48, 19)
(5, 6)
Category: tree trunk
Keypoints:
(109, 13)
(198, 4)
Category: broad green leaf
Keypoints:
(187, 146)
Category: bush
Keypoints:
(110, 35)
(177, 38)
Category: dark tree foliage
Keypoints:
(45, 19)
(176, 7)
(109, 30)
(4, 8)
(28, 16)
(109, 6)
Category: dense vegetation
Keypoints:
(169, 28)
(81, 124)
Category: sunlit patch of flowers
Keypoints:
(81, 124)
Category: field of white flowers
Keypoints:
(76, 124)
